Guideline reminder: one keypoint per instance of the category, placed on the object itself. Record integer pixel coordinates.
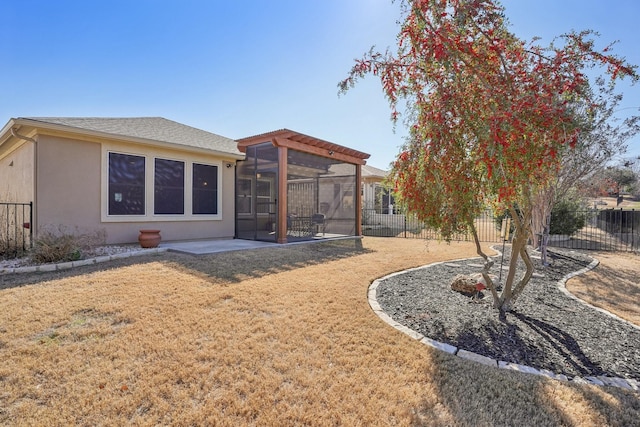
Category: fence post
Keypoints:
(404, 220)
(633, 231)
(30, 225)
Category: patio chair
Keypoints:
(317, 222)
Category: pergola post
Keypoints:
(281, 203)
(358, 191)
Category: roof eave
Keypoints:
(5, 133)
(105, 135)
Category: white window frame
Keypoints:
(150, 215)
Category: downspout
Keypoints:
(15, 134)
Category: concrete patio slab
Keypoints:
(202, 247)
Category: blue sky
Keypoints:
(239, 68)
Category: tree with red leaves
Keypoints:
(489, 116)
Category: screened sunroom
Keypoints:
(294, 187)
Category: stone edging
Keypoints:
(629, 384)
(71, 264)
(563, 288)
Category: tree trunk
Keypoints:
(544, 243)
(541, 216)
(488, 263)
(521, 235)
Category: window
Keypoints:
(205, 189)
(384, 200)
(126, 184)
(168, 187)
(388, 201)
(243, 198)
(155, 188)
(263, 196)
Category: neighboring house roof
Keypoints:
(368, 172)
(341, 169)
(149, 130)
(372, 172)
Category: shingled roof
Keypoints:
(343, 169)
(139, 129)
(370, 171)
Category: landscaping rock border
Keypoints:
(8, 268)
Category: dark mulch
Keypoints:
(546, 329)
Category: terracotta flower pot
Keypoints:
(149, 238)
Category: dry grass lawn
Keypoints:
(614, 285)
(280, 336)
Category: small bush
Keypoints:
(60, 244)
(567, 217)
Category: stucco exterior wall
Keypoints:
(16, 175)
(67, 184)
(369, 194)
(72, 181)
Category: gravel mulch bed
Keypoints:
(546, 329)
(96, 251)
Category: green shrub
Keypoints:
(567, 217)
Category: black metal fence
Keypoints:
(407, 226)
(603, 230)
(16, 232)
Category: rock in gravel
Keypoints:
(467, 284)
